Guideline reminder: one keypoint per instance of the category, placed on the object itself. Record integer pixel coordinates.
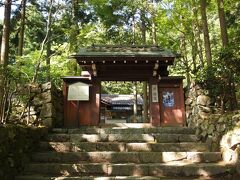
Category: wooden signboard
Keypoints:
(78, 92)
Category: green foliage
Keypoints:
(209, 78)
(110, 87)
(220, 77)
(230, 58)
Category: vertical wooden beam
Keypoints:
(95, 97)
(154, 106)
(145, 102)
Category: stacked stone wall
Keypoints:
(203, 113)
(46, 107)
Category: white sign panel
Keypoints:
(78, 92)
(154, 93)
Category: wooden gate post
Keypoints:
(154, 102)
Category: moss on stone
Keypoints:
(17, 143)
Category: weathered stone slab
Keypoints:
(204, 156)
(130, 138)
(40, 99)
(142, 147)
(47, 110)
(68, 169)
(203, 100)
(76, 138)
(47, 157)
(173, 156)
(187, 138)
(84, 147)
(205, 169)
(85, 130)
(169, 130)
(58, 137)
(111, 146)
(74, 157)
(46, 86)
(119, 130)
(55, 146)
(127, 170)
(166, 147)
(164, 170)
(59, 130)
(163, 138)
(150, 157)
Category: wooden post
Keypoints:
(154, 103)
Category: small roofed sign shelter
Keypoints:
(131, 63)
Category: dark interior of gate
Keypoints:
(121, 63)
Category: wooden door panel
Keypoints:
(171, 111)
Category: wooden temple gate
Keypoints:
(116, 63)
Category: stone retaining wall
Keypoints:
(46, 107)
(203, 113)
(17, 143)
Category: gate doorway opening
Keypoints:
(123, 102)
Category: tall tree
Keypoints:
(45, 40)
(223, 25)
(4, 51)
(6, 33)
(208, 51)
(48, 57)
(74, 31)
(22, 27)
(224, 37)
(144, 40)
(197, 32)
(154, 28)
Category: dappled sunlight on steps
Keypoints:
(125, 152)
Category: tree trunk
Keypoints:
(49, 24)
(224, 37)
(145, 100)
(197, 32)
(183, 47)
(6, 33)
(143, 28)
(48, 58)
(133, 30)
(194, 50)
(199, 45)
(208, 52)
(135, 93)
(22, 28)
(154, 27)
(4, 51)
(223, 25)
(73, 47)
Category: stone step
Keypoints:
(134, 129)
(159, 138)
(126, 157)
(131, 169)
(123, 147)
(39, 177)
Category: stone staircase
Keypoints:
(125, 151)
